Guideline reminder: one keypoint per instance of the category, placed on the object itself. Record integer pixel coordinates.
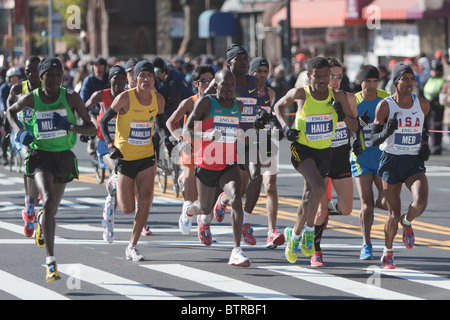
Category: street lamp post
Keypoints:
(50, 28)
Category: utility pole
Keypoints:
(50, 28)
(287, 37)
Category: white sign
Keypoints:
(398, 40)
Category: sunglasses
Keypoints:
(336, 76)
(205, 80)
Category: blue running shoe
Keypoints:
(366, 252)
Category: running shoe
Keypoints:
(111, 185)
(52, 272)
(28, 229)
(332, 209)
(39, 235)
(108, 209)
(307, 243)
(146, 231)
(274, 239)
(185, 221)
(366, 252)
(108, 231)
(316, 259)
(408, 234)
(131, 253)
(204, 232)
(291, 251)
(247, 232)
(28, 212)
(220, 208)
(387, 260)
(238, 258)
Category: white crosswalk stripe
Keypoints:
(122, 286)
(128, 288)
(26, 290)
(328, 280)
(219, 282)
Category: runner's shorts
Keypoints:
(340, 163)
(62, 165)
(133, 167)
(397, 168)
(322, 157)
(367, 163)
(210, 178)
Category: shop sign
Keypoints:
(397, 40)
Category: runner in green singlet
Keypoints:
(51, 136)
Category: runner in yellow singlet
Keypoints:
(311, 135)
(137, 110)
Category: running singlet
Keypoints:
(316, 121)
(249, 97)
(104, 106)
(134, 129)
(217, 155)
(370, 107)
(46, 137)
(26, 114)
(407, 138)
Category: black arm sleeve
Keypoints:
(378, 135)
(425, 133)
(110, 114)
(161, 129)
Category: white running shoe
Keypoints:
(111, 184)
(185, 221)
(108, 231)
(238, 258)
(108, 209)
(131, 253)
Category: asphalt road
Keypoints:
(180, 267)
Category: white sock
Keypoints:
(405, 221)
(49, 259)
(246, 217)
(206, 219)
(308, 229)
(295, 236)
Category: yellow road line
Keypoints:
(377, 229)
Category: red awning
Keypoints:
(314, 14)
(393, 10)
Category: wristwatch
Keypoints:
(71, 127)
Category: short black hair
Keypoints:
(204, 68)
(334, 63)
(317, 63)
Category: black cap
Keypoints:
(234, 50)
(143, 65)
(129, 64)
(115, 70)
(48, 63)
(100, 61)
(160, 64)
(400, 69)
(258, 62)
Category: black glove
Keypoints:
(60, 122)
(337, 106)
(392, 125)
(291, 134)
(84, 139)
(115, 153)
(24, 137)
(363, 120)
(262, 118)
(169, 144)
(424, 152)
(356, 144)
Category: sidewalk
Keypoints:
(444, 158)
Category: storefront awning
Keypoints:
(212, 23)
(314, 14)
(393, 10)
